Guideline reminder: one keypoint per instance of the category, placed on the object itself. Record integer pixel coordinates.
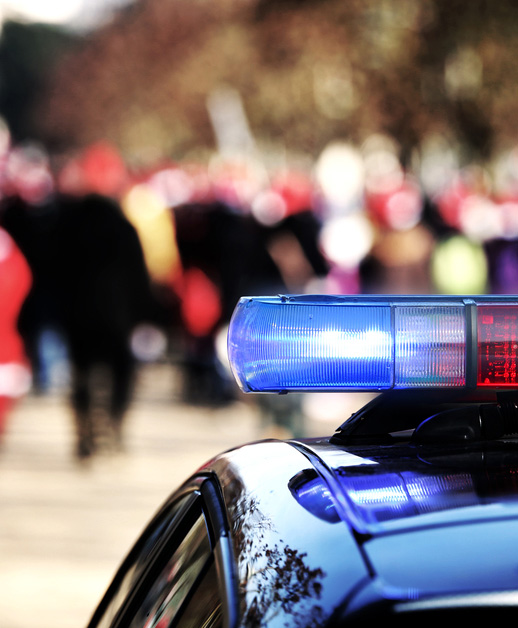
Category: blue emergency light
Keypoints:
(373, 343)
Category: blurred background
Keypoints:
(161, 158)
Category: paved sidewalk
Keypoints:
(64, 529)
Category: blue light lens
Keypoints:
(319, 346)
(277, 344)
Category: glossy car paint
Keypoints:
(435, 521)
(434, 525)
(318, 534)
(291, 565)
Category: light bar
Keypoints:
(278, 344)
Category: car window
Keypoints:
(203, 609)
(137, 561)
(170, 577)
(185, 591)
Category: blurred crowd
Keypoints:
(105, 263)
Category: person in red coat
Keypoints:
(15, 283)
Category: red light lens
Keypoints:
(497, 345)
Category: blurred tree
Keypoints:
(308, 71)
(28, 53)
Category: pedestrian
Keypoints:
(15, 282)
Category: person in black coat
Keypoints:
(90, 283)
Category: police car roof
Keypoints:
(367, 524)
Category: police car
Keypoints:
(409, 511)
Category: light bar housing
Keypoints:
(374, 343)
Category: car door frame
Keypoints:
(201, 495)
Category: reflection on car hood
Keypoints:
(386, 489)
(431, 521)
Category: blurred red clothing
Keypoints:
(15, 283)
(201, 303)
